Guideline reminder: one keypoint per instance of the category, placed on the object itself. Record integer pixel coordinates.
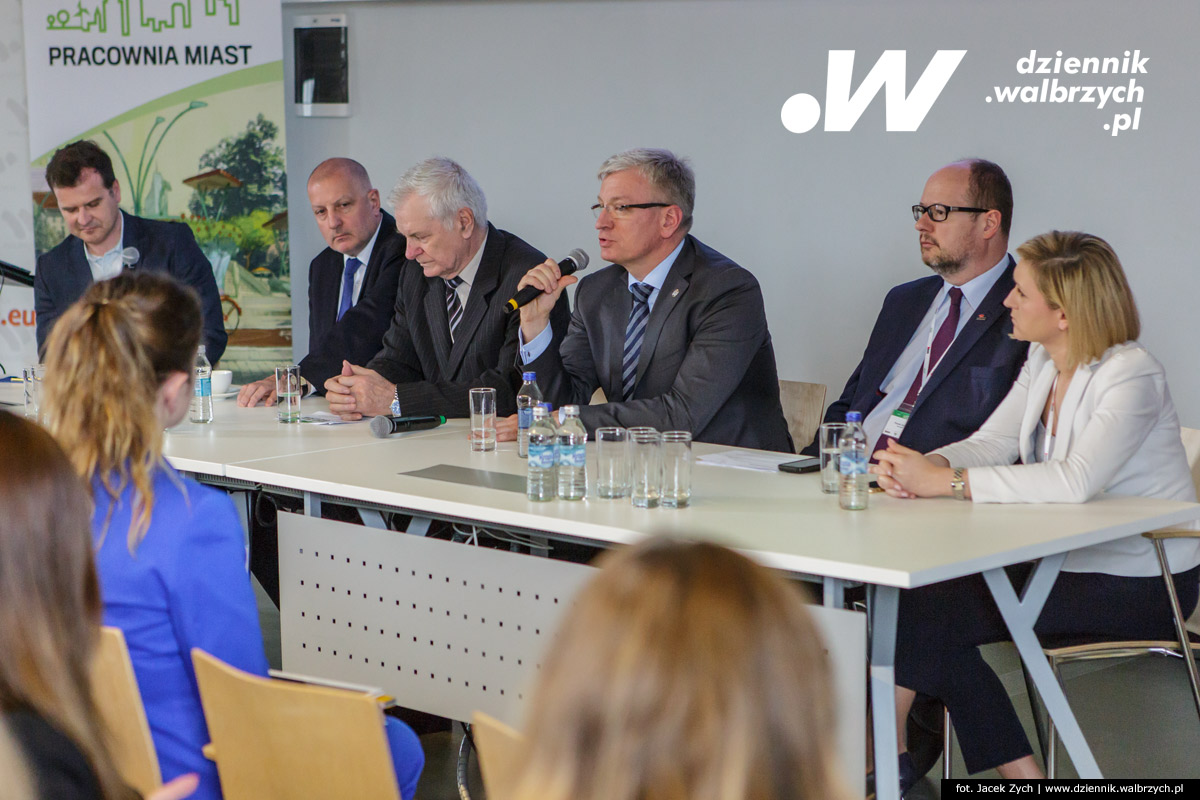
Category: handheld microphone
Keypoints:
(129, 257)
(386, 426)
(575, 260)
(15, 274)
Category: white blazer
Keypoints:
(1117, 433)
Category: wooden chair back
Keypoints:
(278, 740)
(803, 407)
(120, 704)
(500, 750)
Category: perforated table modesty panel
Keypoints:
(446, 628)
(450, 629)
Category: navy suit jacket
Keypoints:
(324, 359)
(434, 374)
(706, 365)
(63, 275)
(973, 377)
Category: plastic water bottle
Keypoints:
(528, 397)
(201, 406)
(852, 463)
(572, 456)
(543, 456)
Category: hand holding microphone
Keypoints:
(540, 289)
(545, 278)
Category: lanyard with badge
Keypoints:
(900, 416)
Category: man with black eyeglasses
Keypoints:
(940, 358)
(674, 332)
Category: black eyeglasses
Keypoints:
(939, 211)
(622, 211)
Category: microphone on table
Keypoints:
(129, 257)
(387, 425)
(575, 261)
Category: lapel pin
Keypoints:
(675, 293)
(981, 317)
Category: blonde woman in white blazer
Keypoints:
(1089, 413)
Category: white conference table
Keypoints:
(781, 520)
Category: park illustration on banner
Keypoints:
(209, 153)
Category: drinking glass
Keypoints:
(612, 468)
(31, 378)
(677, 469)
(647, 467)
(483, 420)
(287, 392)
(830, 434)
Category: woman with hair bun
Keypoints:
(170, 552)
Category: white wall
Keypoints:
(531, 96)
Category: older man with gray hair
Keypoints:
(449, 332)
(674, 332)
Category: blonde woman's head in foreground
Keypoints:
(119, 370)
(683, 672)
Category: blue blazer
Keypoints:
(187, 586)
(63, 275)
(973, 377)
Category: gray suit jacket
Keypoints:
(706, 366)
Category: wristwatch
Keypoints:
(395, 407)
(958, 485)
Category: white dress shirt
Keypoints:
(904, 371)
(363, 257)
(110, 264)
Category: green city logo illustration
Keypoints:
(156, 15)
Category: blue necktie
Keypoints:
(634, 333)
(454, 309)
(352, 265)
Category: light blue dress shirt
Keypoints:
(656, 278)
(912, 359)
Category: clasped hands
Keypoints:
(903, 472)
(359, 392)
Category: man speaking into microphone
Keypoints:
(449, 331)
(104, 240)
(673, 332)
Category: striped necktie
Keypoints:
(634, 333)
(454, 309)
(352, 265)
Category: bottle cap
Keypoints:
(541, 412)
(853, 416)
(546, 406)
(570, 411)
(529, 377)
(200, 351)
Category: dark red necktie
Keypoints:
(941, 341)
